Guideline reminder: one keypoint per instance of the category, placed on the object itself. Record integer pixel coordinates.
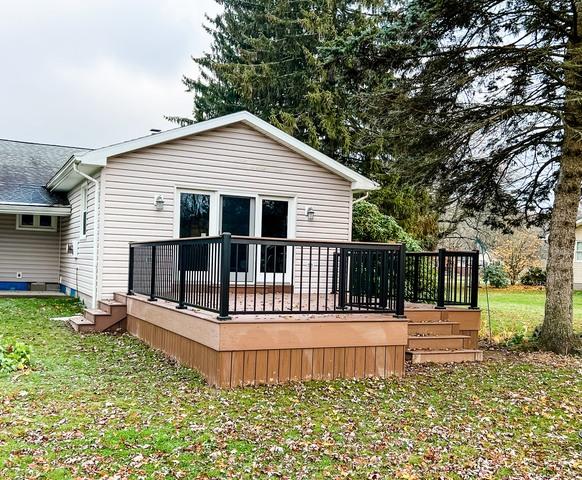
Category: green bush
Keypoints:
(14, 356)
(494, 274)
(371, 225)
(534, 276)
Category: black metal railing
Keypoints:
(246, 275)
(442, 278)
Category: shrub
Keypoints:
(371, 225)
(494, 274)
(14, 356)
(534, 276)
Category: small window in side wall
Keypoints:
(84, 202)
(40, 223)
(578, 257)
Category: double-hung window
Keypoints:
(578, 253)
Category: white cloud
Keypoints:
(98, 71)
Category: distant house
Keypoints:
(578, 256)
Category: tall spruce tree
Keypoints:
(265, 59)
(483, 100)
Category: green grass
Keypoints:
(101, 405)
(518, 310)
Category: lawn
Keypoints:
(105, 406)
(518, 310)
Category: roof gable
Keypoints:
(99, 157)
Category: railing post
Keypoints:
(223, 313)
(441, 278)
(130, 271)
(401, 282)
(343, 279)
(334, 272)
(153, 276)
(181, 277)
(475, 281)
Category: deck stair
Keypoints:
(110, 315)
(438, 341)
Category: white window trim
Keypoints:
(576, 250)
(84, 211)
(36, 227)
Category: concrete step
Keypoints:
(444, 356)
(433, 328)
(436, 342)
(81, 324)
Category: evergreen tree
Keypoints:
(482, 100)
(265, 59)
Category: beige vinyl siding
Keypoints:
(77, 271)
(229, 159)
(578, 265)
(34, 253)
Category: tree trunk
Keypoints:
(557, 331)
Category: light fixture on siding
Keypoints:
(159, 202)
(310, 213)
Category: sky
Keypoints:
(90, 73)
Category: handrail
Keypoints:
(248, 275)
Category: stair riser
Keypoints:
(112, 308)
(448, 357)
(120, 298)
(433, 329)
(82, 328)
(426, 343)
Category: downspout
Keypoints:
(95, 229)
(361, 199)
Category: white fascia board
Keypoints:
(35, 209)
(579, 222)
(99, 157)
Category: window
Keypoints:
(578, 256)
(36, 222)
(84, 202)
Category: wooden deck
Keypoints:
(278, 348)
(268, 349)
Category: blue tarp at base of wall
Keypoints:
(20, 286)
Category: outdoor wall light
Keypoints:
(309, 213)
(159, 202)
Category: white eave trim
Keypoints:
(579, 222)
(99, 157)
(35, 209)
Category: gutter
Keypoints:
(95, 229)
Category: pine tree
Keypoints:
(265, 59)
(482, 100)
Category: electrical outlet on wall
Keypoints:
(18, 274)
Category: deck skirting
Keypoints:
(272, 350)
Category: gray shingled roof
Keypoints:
(26, 167)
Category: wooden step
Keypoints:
(111, 306)
(81, 324)
(444, 356)
(103, 319)
(433, 328)
(436, 342)
(120, 298)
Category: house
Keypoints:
(578, 256)
(235, 219)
